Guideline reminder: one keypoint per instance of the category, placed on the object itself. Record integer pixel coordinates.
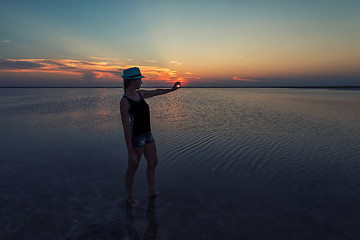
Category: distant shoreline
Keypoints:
(304, 87)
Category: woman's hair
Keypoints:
(126, 83)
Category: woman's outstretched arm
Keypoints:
(156, 92)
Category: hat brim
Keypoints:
(132, 78)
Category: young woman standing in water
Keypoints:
(135, 116)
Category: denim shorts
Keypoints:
(142, 140)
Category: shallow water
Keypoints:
(233, 164)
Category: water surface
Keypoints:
(233, 164)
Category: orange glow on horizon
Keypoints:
(246, 79)
(101, 71)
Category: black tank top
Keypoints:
(139, 113)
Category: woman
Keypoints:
(135, 118)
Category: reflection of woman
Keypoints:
(152, 228)
(135, 118)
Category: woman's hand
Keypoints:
(176, 86)
(133, 158)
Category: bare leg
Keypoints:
(129, 177)
(152, 160)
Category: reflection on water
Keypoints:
(152, 225)
(281, 163)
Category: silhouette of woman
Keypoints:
(135, 116)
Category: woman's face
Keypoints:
(136, 83)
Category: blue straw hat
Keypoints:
(132, 73)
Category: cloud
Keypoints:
(247, 79)
(6, 64)
(51, 62)
(176, 63)
(84, 72)
(89, 76)
(151, 61)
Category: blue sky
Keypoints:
(201, 43)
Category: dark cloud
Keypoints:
(116, 73)
(88, 63)
(68, 68)
(53, 63)
(54, 79)
(11, 64)
(83, 62)
(89, 76)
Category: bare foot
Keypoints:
(132, 202)
(153, 194)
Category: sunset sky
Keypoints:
(201, 43)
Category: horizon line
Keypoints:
(305, 86)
